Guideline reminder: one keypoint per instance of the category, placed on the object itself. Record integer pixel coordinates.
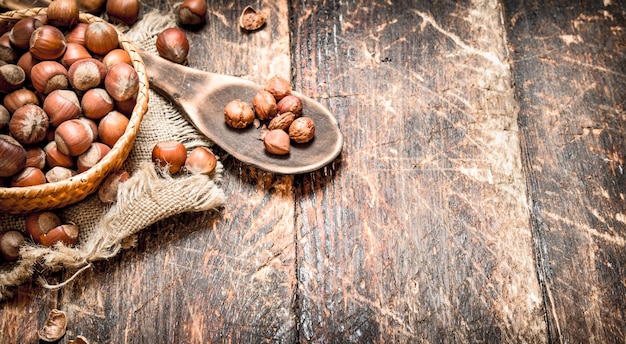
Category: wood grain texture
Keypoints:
(420, 233)
(570, 69)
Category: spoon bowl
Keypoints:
(202, 96)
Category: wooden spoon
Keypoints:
(202, 97)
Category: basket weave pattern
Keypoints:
(21, 200)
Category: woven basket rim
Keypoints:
(119, 152)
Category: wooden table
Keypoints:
(480, 195)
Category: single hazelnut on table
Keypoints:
(12, 77)
(63, 13)
(251, 19)
(61, 106)
(29, 176)
(29, 124)
(22, 30)
(55, 326)
(302, 130)
(282, 121)
(18, 98)
(172, 44)
(123, 11)
(278, 86)
(201, 161)
(264, 105)
(86, 74)
(101, 37)
(10, 243)
(73, 137)
(238, 114)
(170, 154)
(47, 76)
(12, 156)
(112, 127)
(107, 193)
(291, 104)
(47, 43)
(192, 12)
(122, 82)
(277, 142)
(40, 223)
(58, 173)
(96, 103)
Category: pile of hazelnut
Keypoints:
(280, 109)
(68, 90)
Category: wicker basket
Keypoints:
(21, 200)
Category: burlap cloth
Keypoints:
(146, 198)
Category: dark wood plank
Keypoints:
(22, 315)
(421, 231)
(570, 69)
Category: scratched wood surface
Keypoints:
(479, 197)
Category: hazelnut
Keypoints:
(35, 157)
(170, 154)
(91, 6)
(66, 233)
(61, 106)
(59, 173)
(79, 340)
(7, 52)
(40, 223)
(291, 104)
(73, 53)
(77, 34)
(264, 105)
(19, 98)
(86, 73)
(55, 158)
(108, 189)
(192, 12)
(101, 37)
(126, 106)
(5, 117)
(29, 176)
(123, 11)
(12, 156)
(201, 161)
(54, 327)
(26, 62)
(172, 44)
(302, 130)
(282, 121)
(112, 127)
(92, 125)
(73, 137)
(10, 243)
(278, 86)
(277, 142)
(22, 30)
(96, 152)
(47, 43)
(238, 114)
(29, 124)
(63, 13)
(116, 55)
(251, 19)
(96, 103)
(122, 82)
(12, 77)
(47, 76)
